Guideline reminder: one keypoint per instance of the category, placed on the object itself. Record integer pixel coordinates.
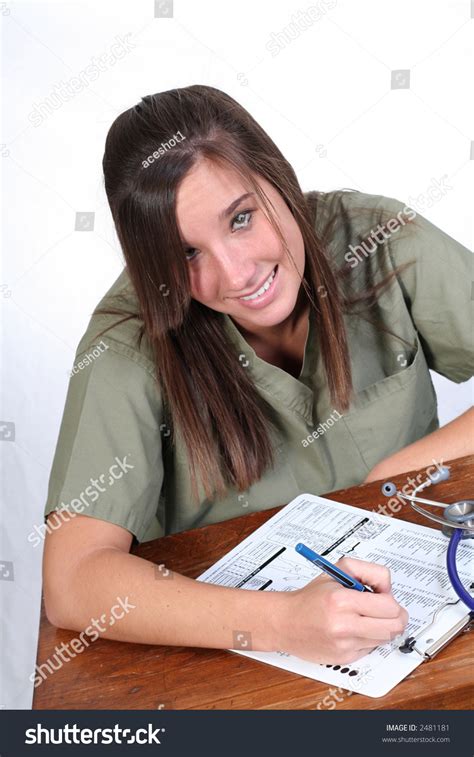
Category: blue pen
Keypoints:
(332, 570)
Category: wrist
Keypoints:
(279, 619)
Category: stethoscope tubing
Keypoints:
(458, 587)
(458, 524)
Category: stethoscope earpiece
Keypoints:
(441, 474)
(389, 489)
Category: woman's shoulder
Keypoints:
(350, 209)
(121, 328)
(352, 225)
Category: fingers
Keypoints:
(359, 649)
(379, 631)
(369, 605)
(369, 573)
(378, 606)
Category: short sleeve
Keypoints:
(108, 458)
(438, 290)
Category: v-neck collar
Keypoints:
(295, 393)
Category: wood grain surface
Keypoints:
(118, 675)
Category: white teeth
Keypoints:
(262, 289)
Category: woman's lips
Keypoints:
(265, 298)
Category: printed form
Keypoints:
(416, 555)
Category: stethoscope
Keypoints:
(458, 523)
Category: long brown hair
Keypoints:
(224, 422)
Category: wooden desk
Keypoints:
(117, 675)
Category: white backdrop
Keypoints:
(372, 96)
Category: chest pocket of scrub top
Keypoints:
(395, 411)
(277, 487)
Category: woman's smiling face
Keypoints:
(233, 250)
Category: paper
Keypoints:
(416, 555)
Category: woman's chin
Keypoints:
(275, 313)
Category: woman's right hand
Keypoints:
(327, 623)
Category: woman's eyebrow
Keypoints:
(228, 211)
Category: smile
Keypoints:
(265, 286)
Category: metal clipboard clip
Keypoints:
(463, 625)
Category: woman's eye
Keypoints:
(190, 253)
(242, 219)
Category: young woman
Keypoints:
(251, 314)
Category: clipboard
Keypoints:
(428, 647)
(266, 561)
(359, 677)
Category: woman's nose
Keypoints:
(237, 272)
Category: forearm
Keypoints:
(168, 608)
(453, 440)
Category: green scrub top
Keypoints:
(114, 460)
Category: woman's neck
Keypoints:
(281, 333)
(283, 345)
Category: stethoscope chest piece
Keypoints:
(460, 512)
